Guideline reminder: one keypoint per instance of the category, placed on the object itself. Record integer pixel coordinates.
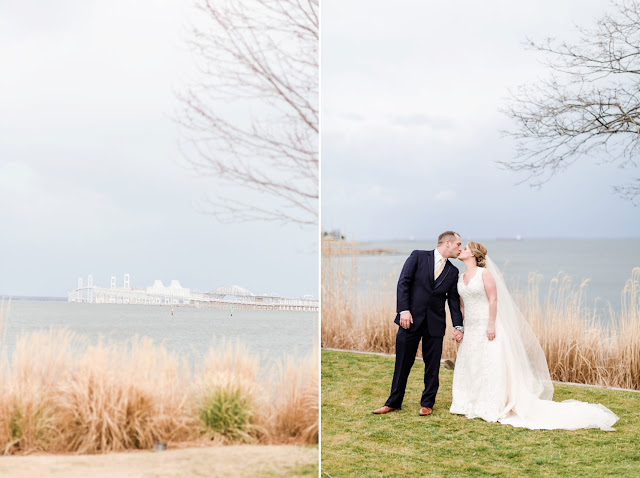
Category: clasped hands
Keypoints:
(491, 334)
(406, 320)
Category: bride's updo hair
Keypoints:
(479, 252)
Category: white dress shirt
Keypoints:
(436, 259)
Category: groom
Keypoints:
(426, 282)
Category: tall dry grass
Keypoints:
(351, 320)
(580, 346)
(226, 394)
(294, 416)
(63, 394)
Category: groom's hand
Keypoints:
(457, 335)
(406, 320)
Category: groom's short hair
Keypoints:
(447, 236)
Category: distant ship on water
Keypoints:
(517, 237)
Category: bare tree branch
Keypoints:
(589, 105)
(252, 119)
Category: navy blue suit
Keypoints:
(425, 299)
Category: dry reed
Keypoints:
(294, 413)
(350, 321)
(579, 345)
(62, 394)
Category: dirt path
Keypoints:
(238, 460)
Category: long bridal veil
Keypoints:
(529, 388)
(522, 349)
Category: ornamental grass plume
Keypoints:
(123, 396)
(293, 412)
(227, 392)
(29, 384)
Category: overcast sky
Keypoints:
(91, 178)
(411, 127)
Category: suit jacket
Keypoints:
(425, 298)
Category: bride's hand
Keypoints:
(491, 332)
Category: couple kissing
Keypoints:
(501, 373)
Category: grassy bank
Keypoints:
(579, 346)
(63, 394)
(357, 443)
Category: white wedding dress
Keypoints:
(507, 380)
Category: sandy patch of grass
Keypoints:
(219, 461)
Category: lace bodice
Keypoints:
(476, 303)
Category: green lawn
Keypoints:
(356, 442)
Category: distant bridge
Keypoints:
(225, 297)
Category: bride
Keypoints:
(501, 373)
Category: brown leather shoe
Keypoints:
(383, 410)
(424, 411)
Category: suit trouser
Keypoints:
(406, 348)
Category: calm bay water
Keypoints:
(607, 263)
(271, 335)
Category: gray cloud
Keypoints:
(352, 117)
(431, 154)
(421, 120)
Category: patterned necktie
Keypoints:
(438, 271)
